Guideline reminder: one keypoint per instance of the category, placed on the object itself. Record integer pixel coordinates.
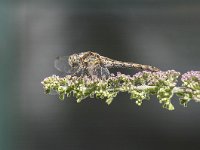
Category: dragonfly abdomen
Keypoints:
(120, 64)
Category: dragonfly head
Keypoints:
(74, 60)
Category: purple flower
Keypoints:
(191, 75)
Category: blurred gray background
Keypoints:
(163, 33)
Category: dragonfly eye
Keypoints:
(73, 61)
(75, 65)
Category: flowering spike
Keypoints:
(140, 86)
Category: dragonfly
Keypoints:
(93, 64)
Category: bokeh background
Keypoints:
(163, 33)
